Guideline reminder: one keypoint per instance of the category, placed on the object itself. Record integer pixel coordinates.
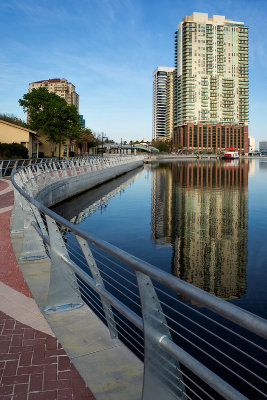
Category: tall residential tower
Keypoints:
(163, 103)
(61, 87)
(211, 83)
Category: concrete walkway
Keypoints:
(33, 364)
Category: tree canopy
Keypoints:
(13, 119)
(50, 114)
(87, 137)
(163, 147)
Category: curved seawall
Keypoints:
(67, 187)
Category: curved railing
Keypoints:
(7, 167)
(194, 345)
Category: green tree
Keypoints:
(163, 147)
(86, 138)
(50, 115)
(13, 120)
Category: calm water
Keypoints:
(204, 222)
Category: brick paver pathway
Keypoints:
(33, 365)
(9, 270)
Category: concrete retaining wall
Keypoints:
(68, 187)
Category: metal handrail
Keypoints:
(144, 271)
(7, 167)
(177, 352)
(230, 311)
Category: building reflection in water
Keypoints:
(200, 209)
(263, 165)
(251, 167)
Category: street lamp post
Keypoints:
(60, 136)
(103, 143)
(60, 139)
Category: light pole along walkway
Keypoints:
(33, 365)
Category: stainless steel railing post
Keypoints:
(33, 247)
(157, 363)
(17, 214)
(61, 296)
(14, 167)
(95, 271)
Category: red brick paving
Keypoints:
(9, 271)
(33, 365)
(3, 185)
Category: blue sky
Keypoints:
(109, 49)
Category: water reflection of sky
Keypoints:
(204, 222)
(257, 239)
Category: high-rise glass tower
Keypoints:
(211, 83)
(162, 103)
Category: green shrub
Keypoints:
(13, 150)
(163, 147)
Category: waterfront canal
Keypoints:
(203, 221)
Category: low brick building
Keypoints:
(209, 137)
